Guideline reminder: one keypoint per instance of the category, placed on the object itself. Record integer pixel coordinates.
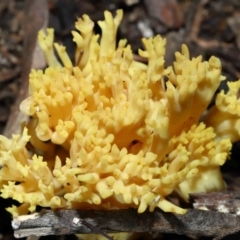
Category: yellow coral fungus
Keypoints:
(105, 132)
(225, 115)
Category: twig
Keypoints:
(93, 228)
(193, 19)
(63, 222)
(35, 19)
(193, 26)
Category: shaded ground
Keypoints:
(208, 28)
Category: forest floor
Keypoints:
(207, 27)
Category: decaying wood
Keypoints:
(62, 222)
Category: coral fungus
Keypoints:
(109, 132)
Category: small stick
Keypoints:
(62, 222)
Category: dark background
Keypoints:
(208, 27)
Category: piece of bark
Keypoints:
(62, 222)
(36, 18)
